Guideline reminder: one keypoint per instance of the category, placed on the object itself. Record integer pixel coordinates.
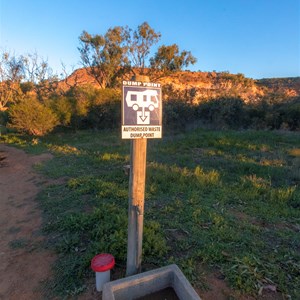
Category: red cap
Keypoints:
(102, 262)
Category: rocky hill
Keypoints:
(289, 86)
(205, 85)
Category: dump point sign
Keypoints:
(141, 110)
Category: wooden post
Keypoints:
(138, 155)
(136, 205)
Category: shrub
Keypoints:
(80, 99)
(3, 117)
(105, 115)
(290, 114)
(267, 114)
(256, 113)
(32, 117)
(63, 109)
(223, 112)
(105, 109)
(88, 107)
(105, 95)
(177, 114)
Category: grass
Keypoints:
(19, 243)
(226, 200)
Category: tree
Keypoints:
(105, 56)
(22, 74)
(140, 44)
(38, 76)
(169, 59)
(122, 50)
(11, 74)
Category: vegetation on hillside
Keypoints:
(82, 107)
(280, 85)
(221, 99)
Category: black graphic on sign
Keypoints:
(141, 106)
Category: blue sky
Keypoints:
(259, 38)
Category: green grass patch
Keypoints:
(229, 200)
(19, 243)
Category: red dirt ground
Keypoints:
(24, 264)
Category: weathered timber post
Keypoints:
(136, 205)
(138, 158)
(141, 119)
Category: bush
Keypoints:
(105, 109)
(32, 117)
(290, 114)
(80, 99)
(3, 117)
(284, 114)
(105, 115)
(257, 114)
(88, 107)
(62, 107)
(177, 114)
(223, 112)
(105, 95)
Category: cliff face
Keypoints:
(286, 86)
(79, 77)
(205, 85)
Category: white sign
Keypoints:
(141, 110)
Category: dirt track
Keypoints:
(24, 264)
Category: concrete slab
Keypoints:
(146, 283)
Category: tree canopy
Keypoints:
(22, 74)
(105, 56)
(169, 59)
(140, 44)
(122, 50)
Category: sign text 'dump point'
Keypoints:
(139, 83)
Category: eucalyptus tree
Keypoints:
(38, 76)
(169, 59)
(11, 74)
(122, 50)
(105, 56)
(140, 43)
(20, 74)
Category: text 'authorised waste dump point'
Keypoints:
(141, 110)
